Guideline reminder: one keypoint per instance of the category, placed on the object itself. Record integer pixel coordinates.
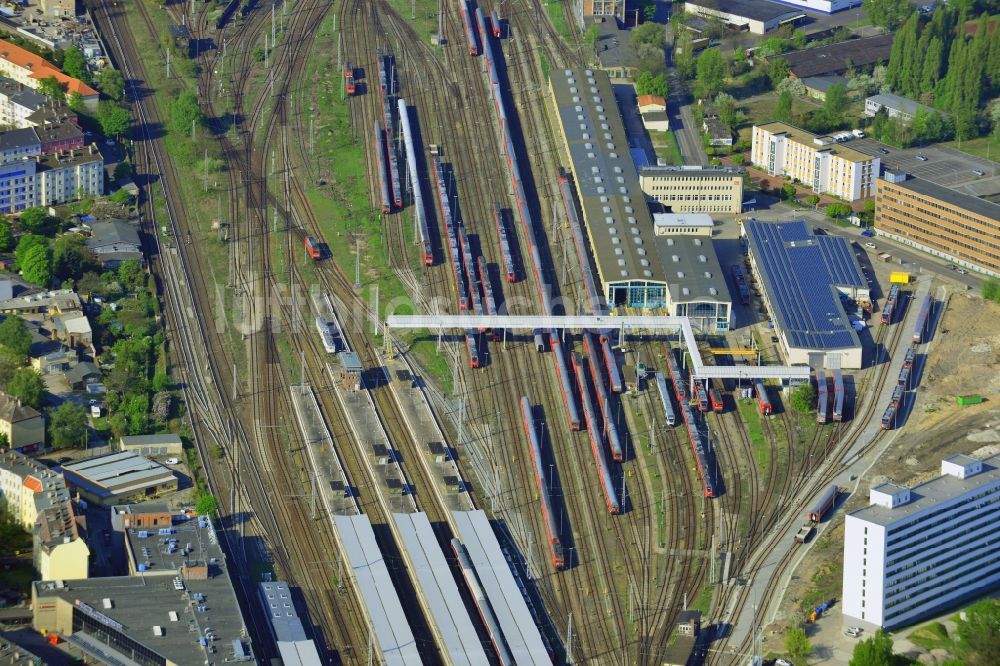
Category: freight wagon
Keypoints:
(822, 398)
(838, 396)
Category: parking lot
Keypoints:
(943, 166)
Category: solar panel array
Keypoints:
(438, 588)
(389, 626)
(798, 271)
(502, 590)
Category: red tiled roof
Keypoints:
(42, 68)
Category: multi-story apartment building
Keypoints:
(17, 102)
(30, 69)
(820, 162)
(17, 144)
(914, 552)
(603, 8)
(694, 189)
(958, 227)
(44, 180)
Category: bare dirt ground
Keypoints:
(963, 359)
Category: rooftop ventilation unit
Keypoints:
(648, 273)
(702, 258)
(624, 273)
(680, 275)
(685, 291)
(713, 291)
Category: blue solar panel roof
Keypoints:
(800, 273)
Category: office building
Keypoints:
(819, 162)
(803, 279)
(694, 189)
(915, 552)
(958, 227)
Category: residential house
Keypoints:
(653, 110)
(58, 8)
(73, 328)
(44, 302)
(115, 241)
(23, 426)
(30, 69)
(29, 487)
(60, 552)
(82, 374)
(18, 102)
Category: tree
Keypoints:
(835, 103)
(123, 170)
(888, 14)
(111, 82)
(53, 89)
(783, 110)
(28, 386)
(874, 651)
(710, 70)
(67, 426)
(777, 71)
(979, 633)
(10, 361)
(206, 505)
(650, 35)
(37, 221)
(130, 275)
(37, 265)
(729, 112)
(797, 644)
(71, 257)
(114, 119)
(25, 243)
(591, 37)
(646, 83)
(14, 335)
(803, 401)
(75, 65)
(991, 290)
(6, 236)
(812, 200)
(75, 102)
(836, 210)
(788, 191)
(184, 111)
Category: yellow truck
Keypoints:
(899, 277)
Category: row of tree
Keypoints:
(938, 62)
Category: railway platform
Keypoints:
(437, 457)
(332, 491)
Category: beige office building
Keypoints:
(826, 165)
(694, 189)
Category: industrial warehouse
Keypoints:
(803, 281)
(638, 266)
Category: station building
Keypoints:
(628, 251)
(820, 162)
(756, 16)
(958, 227)
(694, 189)
(916, 551)
(177, 606)
(803, 280)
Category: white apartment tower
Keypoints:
(916, 551)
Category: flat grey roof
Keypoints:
(899, 103)
(390, 628)
(961, 459)
(756, 10)
(140, 440)
(614, 206)
(836, 58)
(117, 473)
(299, 653)
(502, 591)
(800, 272)
(163, 552)
(280, 609)
(693, 270)
(438, 588)
(694, 171)
(138, 603)
(930, 494)
(987, 209)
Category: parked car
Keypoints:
(921, 157)
(870, 245)
(853, 632)
(173, 461)
(883, 151)
(867, 233)
(961, 271)
(978, 172)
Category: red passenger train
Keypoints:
(763, 402)
(548, 516)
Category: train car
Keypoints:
(562, 369)
(507, 256)
(889, 418)
(539, 340)
(923, 317)
(763, 402)
(668, 405)
(454, 253)
(897, 395)
(603, 401)
(611, 365)
(313, 249)
(838, 396)
(326, 336)
(715, 398)
(675, 376)
(824, 504)
(495, 23)
(887, 309)
(604, 473)
(470, 28)
(349, 79)
(742, 288)
(423, 228)
(822, 397)
(472, 345)
(387, 88)
(904, 378)
(698, 448)
(548, 516)
(383, 180)
(893, 293)
(489, 302)
(911, 355)
(702, 395)
(482, 604)
(471, 274)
